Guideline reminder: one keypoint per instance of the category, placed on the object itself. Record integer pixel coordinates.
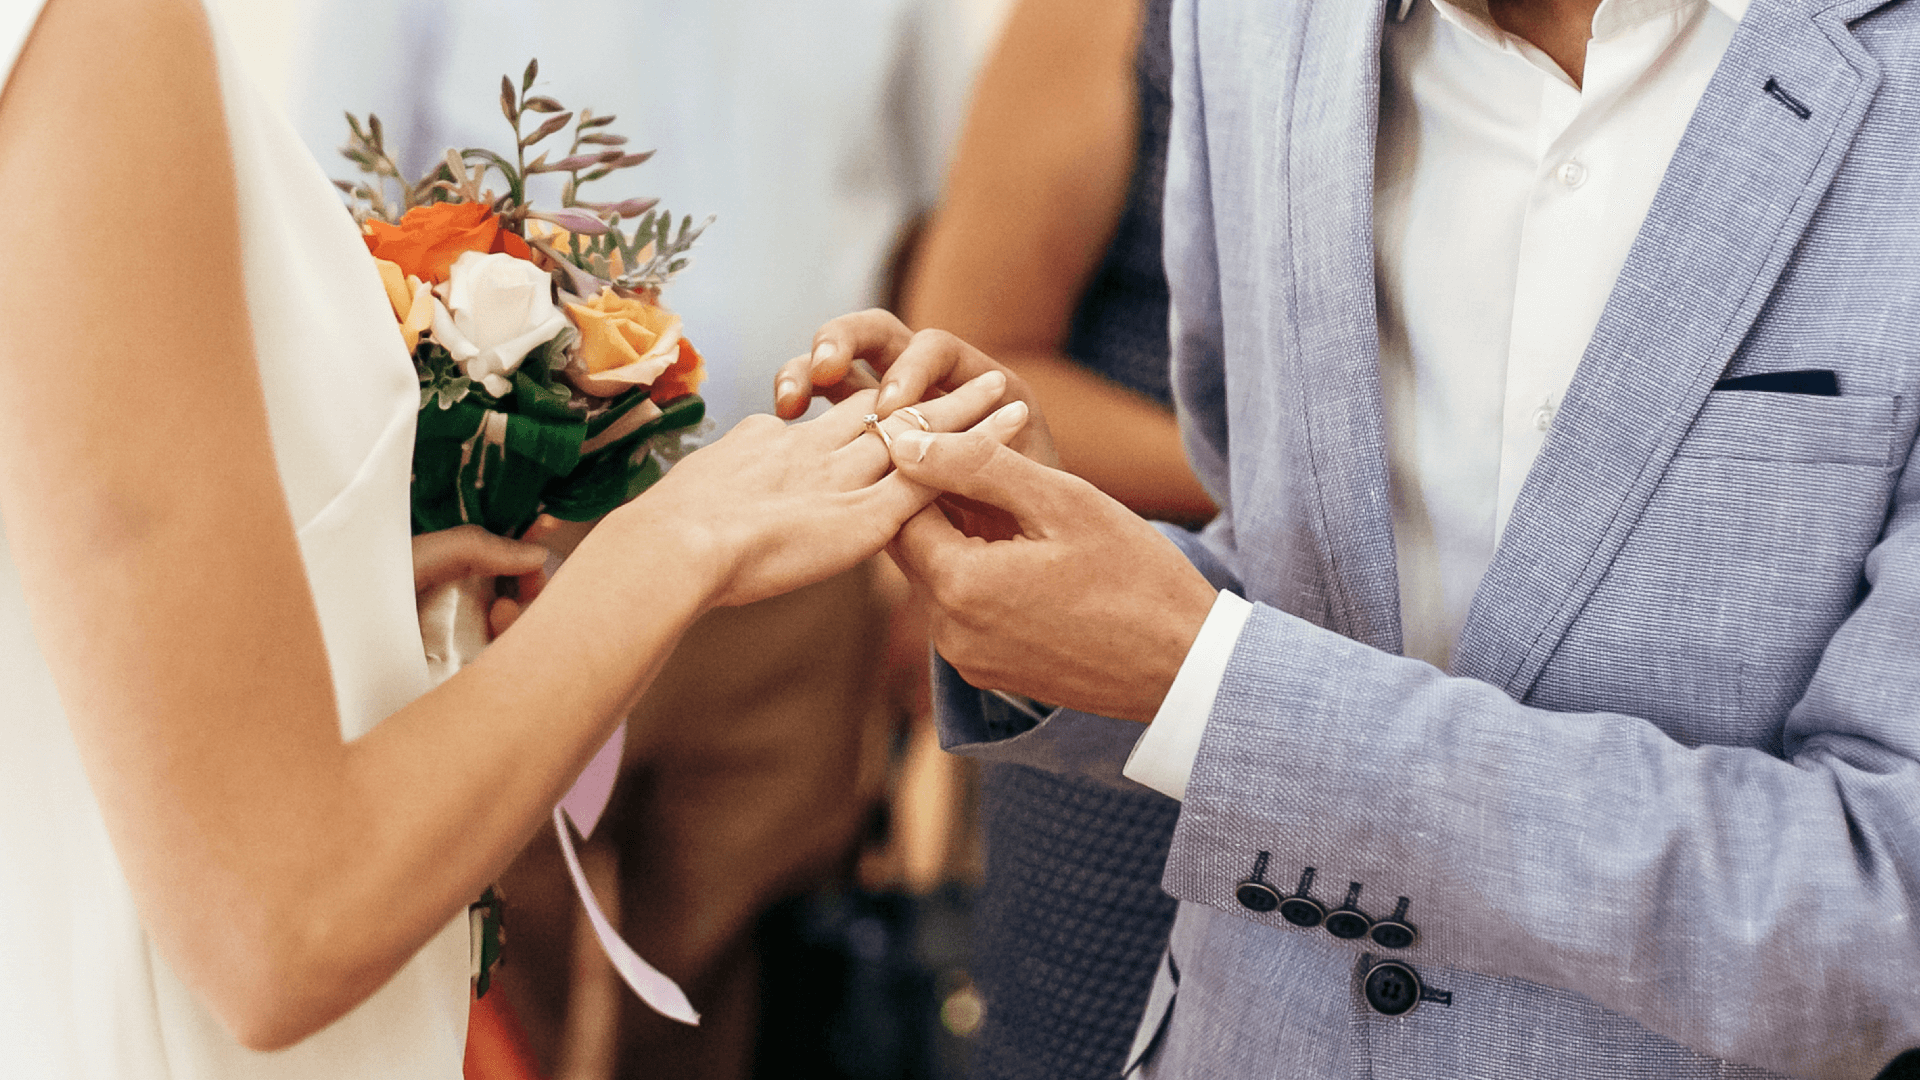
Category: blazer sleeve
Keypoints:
(1757, 907)
(975, 723)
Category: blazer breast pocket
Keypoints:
(1712, 615)
(1758, 425)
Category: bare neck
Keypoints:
(1559, 28)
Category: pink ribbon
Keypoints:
(583, 804)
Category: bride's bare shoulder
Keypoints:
(96, 70)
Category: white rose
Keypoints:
(491, 312)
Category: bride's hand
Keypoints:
(452, 554)
(912, 366)
(773, 506)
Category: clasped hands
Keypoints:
(1040, 583)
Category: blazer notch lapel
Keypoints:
(1761, 150)
(1333, 117)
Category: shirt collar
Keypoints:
(1611, 17)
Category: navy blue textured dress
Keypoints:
(1072, 920)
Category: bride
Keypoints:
(237, 834)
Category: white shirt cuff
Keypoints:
(1163, 758)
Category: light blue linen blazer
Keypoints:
(1662, 819)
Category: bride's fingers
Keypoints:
(953, 412)
(898, 498)
(467, 550)
(841, 424)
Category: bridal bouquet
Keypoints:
(549, 369)
(552, 378)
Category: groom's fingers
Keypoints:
(979, 466)
(875, 336)
(927, 543)
(900, 495)
(794, 387)
(933, 360)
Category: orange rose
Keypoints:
(683, 378)
(429, 238)
(624, 342)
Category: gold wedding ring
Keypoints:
(913, 414)
(872, 422)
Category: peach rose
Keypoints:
(683, 378)
(429, 238)
(412, 301)
(624, 343)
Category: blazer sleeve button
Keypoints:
(1346, 921)
(1394, 931)
(1257, 896)
(1254, 893)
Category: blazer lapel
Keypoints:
(1740, 191)
(1333, 113)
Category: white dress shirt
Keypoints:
(1505, 199)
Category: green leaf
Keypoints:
(601, 488)
(552, 444)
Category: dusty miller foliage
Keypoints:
(600, 249)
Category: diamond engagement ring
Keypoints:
(872, 422)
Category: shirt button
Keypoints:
(1572, 174)
(1543, 416)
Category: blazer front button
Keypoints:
(1392, 988)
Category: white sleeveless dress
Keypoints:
(83, 993)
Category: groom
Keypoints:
(1563, 438)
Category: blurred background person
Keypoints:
(1045, 253)
(815, 133)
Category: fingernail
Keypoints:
(785, 389)
(912, 445)
(1012, 414)
(889, 396)
(994, 381)
(823, 352)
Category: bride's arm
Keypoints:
(285, 874)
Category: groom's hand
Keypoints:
(912, 368)
(1083, 604)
